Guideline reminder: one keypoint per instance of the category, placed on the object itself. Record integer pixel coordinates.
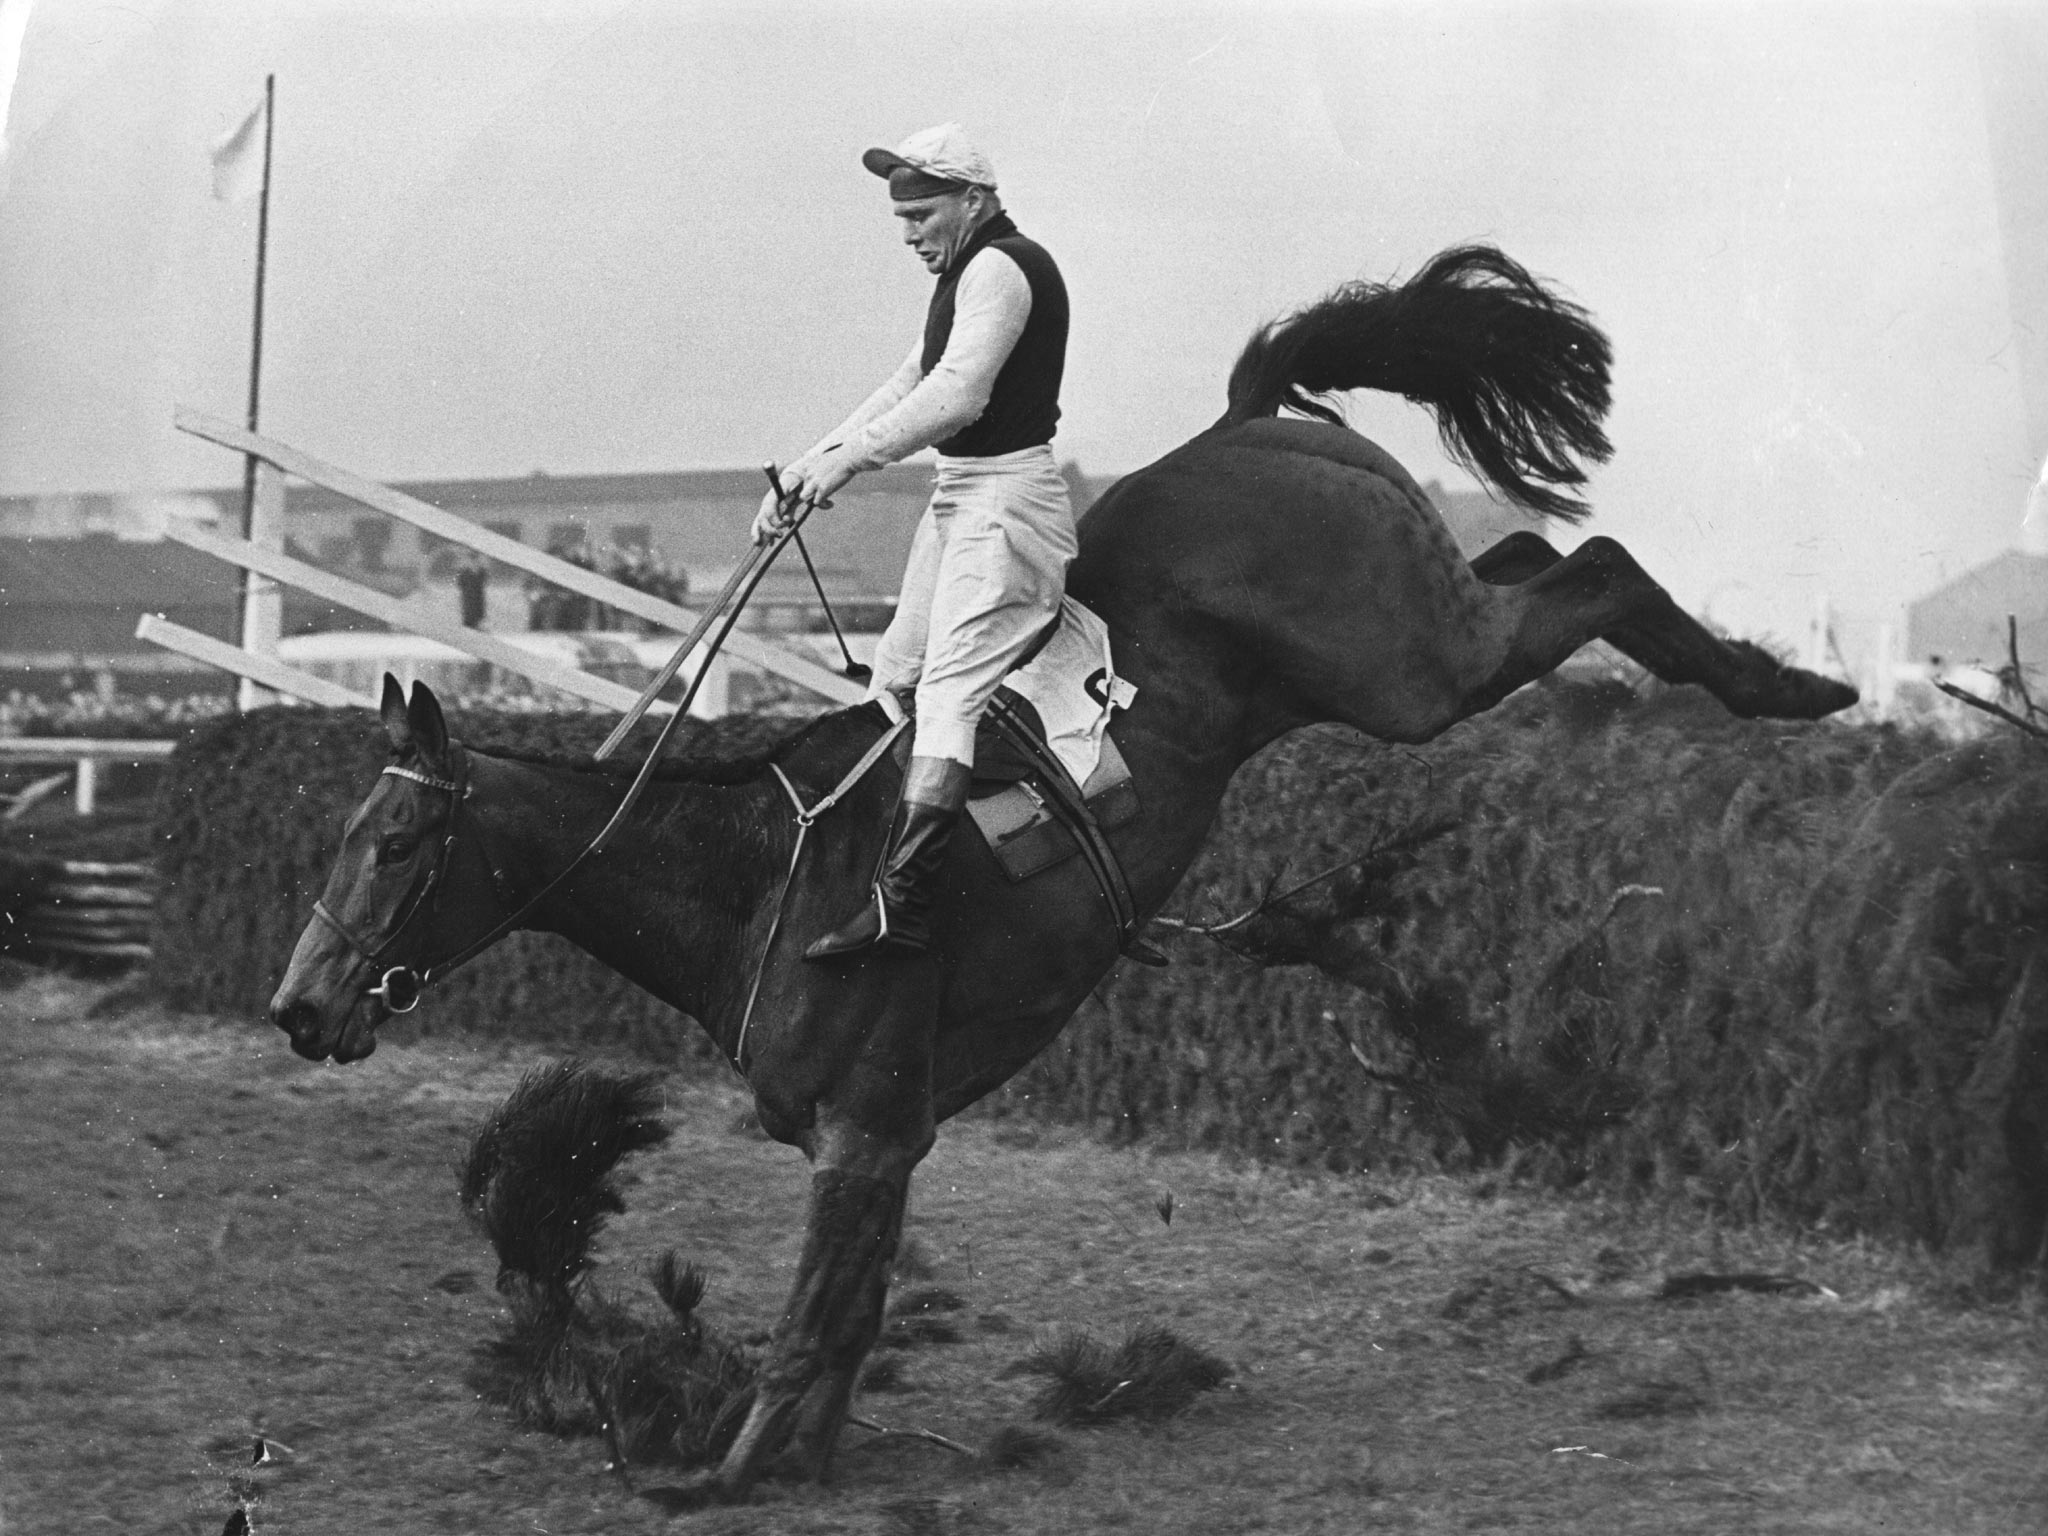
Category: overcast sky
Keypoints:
(635, 235)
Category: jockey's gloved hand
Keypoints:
(815, 478)
(772, 518)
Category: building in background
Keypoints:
(1963, 623)
(69, 607)
(77, 571)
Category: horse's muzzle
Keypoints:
(329, 1006)
(349, 1035)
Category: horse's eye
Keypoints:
(395, 850)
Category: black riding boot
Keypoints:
(898, 913)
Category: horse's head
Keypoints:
(404, 893)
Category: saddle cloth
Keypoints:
(1065, 692)
(1071, 681)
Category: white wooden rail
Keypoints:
(460, 530)
(267, 670)
(401, 613)
(86, 753)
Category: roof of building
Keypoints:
(2009, 575)
(481, 497)
(97, 510)
(112, 573)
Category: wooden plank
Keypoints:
(87, 923)
(94, 949)
(401, 614)
(460, 530)
(75, 894)
(111, 749)
(158, 630)
(20, 805)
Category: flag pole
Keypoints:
(250, 615)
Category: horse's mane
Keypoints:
(732, 750)
(1516, 376)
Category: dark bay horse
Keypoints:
(1269, 574)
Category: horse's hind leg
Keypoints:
(1515, 559)
(1599, 592)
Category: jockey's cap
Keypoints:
(928, 164)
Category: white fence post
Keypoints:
(263, 606)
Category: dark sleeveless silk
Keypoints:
(1024, 407)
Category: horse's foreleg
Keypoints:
(832, 1320)
(1599, 592)
(869, 1209)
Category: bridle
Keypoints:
(400, 986)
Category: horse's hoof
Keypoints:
(700, 1490)
(1809, 696)
(1833, 696)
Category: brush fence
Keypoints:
(1833, 1009)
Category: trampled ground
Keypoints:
(202, 1236)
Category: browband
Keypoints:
(424, 778)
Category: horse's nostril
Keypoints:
(292, 1017)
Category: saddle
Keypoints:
(1034, 817)
(1023, 799)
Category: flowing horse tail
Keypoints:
(1516, 376)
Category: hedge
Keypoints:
(1785, 970)
(1833, 1009)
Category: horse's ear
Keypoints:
(429, 729)
(392, 711)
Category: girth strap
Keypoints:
(1088, 834)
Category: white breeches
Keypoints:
(986, 570)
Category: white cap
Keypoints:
(925, 164)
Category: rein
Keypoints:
(401, 985)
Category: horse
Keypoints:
(1273, 572)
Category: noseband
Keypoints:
(400, 986)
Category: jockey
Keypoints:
(988, 563)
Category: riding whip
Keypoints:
(853, 670)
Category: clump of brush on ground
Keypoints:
(572, 1359)
(1152, 1374)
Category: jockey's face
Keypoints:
(937, 227)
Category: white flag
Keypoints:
(238, 159)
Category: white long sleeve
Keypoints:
(894, 388)
(909, 412)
